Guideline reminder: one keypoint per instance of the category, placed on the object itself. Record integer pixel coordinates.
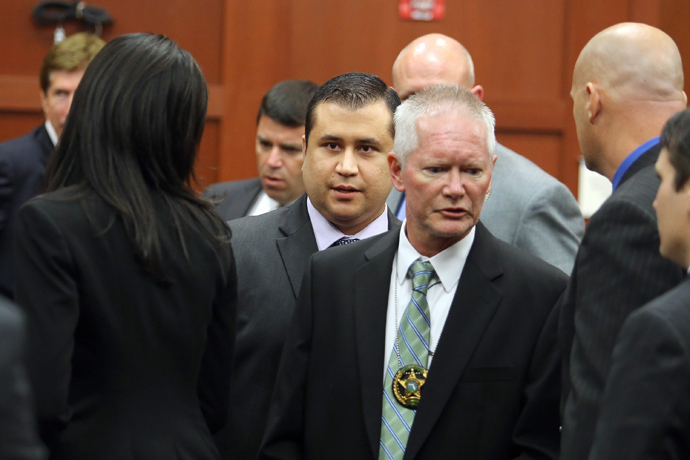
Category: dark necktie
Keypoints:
(343, 241)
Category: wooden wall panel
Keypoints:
(207, 162)
(535, 146)
(256, 54)
(24, 45)
(524, 53)
(673, 19)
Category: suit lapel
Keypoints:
(47, 147)
(371, 282)
(473, 306)
(298, 244)
(393, 200)
(250, 193)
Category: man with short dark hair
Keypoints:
(645, 412)
(23, 160)
(279, 157)
(348, 134)
(356, 379)
(627, 83)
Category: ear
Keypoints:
(685, 99)
(593, 102)
(488, 191)
(478, 92)
(396, 171)
(304, 151)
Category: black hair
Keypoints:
(675, 138)
(353, 90)
(133, 133)
(286, 102)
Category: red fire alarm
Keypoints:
(422, 10)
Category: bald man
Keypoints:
(628, 81)
(528, 208)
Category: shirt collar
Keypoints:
(448, 264)
(326, 234)
(630, 159)
(51, 132)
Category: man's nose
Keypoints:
(347, 164)
(274, 157)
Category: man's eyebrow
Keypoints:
(291, 144)
(330, 137)
(369, 140)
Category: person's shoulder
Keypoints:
(345, 260)
(65, 207)
(19, 147)
(259, 228)
(221, 189)
(640, 187)
(520, 168)
(10, 144)
(518, 262)
(670, 311)
(634, 197)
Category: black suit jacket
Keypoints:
(123, 366)
(493, 386)
(18, 438)
(645, 411)
(617, 270)
(22, 169)
(271, 251)
(237, 197)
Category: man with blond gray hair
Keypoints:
(23, 160)
(355, 378)
(627, 82)
(528, 208)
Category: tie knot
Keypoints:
(344, 240)
(420, 272)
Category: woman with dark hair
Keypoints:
(126, 276)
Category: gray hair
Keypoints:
(437, 100)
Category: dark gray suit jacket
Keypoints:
(618, 269)
(529, 209)
(493, 386)
(645, 412)
(271, 253)
(237, 197)
(22, 169)
(18, 435)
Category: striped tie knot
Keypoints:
(420, 272)
(344, 241)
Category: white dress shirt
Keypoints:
(52, 134)
(326, 234)
(263, 204)
(448, 265)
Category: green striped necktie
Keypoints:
(412, 345)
